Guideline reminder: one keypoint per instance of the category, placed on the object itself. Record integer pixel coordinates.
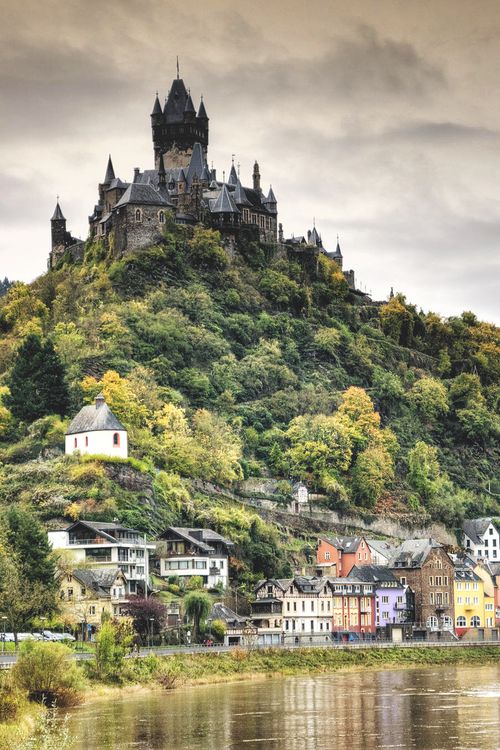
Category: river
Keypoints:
(442, 708)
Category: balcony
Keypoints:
(94, 540)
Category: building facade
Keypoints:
(392, 605)
(425, 566)
(87, 596)
(186, 552)
(336, 556)
(97, 431)
(481, 539)
(104, 545)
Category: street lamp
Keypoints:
(151, 620)
(4, 621)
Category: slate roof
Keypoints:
(99, 580)
(224, 204)
(239, 195)
(347, 544)
(221, 612)
(176, 102)
(139, 193)
(110, 172)
(383, 548)
(372, 574)
(200, 538)
(202, 112)
(412, 553)
(156, 107)
(189, 105)
(476, 528)
(94, 418)
(466, 574)
(196, 164)
(271, 198)
(58, 214)
(117, 183)
(233, 177)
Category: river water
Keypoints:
(442, 708)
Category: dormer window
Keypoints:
(138, 215)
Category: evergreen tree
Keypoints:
(37, 381)
(28, 540)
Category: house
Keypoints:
(306, 611)
(98, 545)
(300, 497)
(425, 566)
(239, 630)
(96, 430)
(482, 539)
(495, 575)
(381, 551)
(267, 611)
(336, 556)
(313, 609)
(186, 552)
(87, 595)
(393, 601)
(469, 600)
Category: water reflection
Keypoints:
(435, 709)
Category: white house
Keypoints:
(482, 539)
(187, 552)
(300, 495)
(101, 545)
(96, 430)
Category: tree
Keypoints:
(28, 539)
(372, 472)
(37, 382)
(148, 615)
(430, 398)
(197, 605)
(48, 673)
(423, 469)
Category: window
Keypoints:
(86, 441)
(76, 442)
(459, 587)
(385, 615)
(461, 622)
(92, 609)
(431, 581)
(303, 606)
(116, 439)
(447, 623)
(70, 593)
(312, 606)
(327, 555)
(475, 621)
(138, 215)
(432, 622)
(385, 600)
(475, 587)
(161, 217)
(403, 580)
(459, 600)
(288, 606)
(431, 597)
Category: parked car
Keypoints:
(7, 637)
(48, 635)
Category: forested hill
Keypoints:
(255, 364)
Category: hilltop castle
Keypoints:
(132, 215)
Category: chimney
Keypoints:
(99, 401)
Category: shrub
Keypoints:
(46, 672)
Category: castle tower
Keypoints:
(256, 177)
(178, 127)
(58, 230)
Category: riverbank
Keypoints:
(191, 669)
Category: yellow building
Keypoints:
(469, 601)
(484, 573)
(86, 595)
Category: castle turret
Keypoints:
(256, 177)
(179, 128)
(270, 202)
(58, 228)
(110, 173)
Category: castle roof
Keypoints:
(176, 101)
(58, 214)
(139, 193)
(189, 107)
(196, 164)
(224, 204)
(110, 172)
(202, 112)
(117, 183)
(233, 177)
(156, 107)
(239, 195)
(94, 418)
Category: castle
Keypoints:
(132, 215)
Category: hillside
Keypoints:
(255, 363)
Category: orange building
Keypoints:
(336, 556)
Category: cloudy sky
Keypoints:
(380, 118)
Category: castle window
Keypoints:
(86, 441)
(76, 442)
(161, 217)
(138, 215)
(116, 439)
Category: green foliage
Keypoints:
(197, 605)
(37, 381)
(429, 397)
(218, 630)
(48, 673)
(111, 647)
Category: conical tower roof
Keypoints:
(239, 195)
(58, 214)
(189, 105)
(224, 203)
(233, 176)
(202, 112)
(156, 106)
(110, 172)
